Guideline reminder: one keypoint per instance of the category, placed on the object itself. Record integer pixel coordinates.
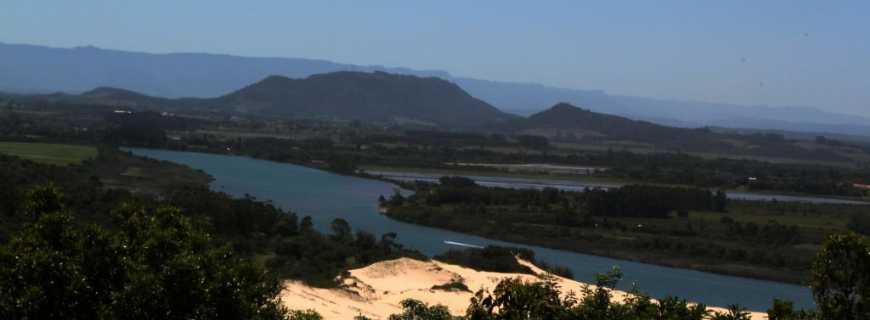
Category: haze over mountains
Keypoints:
(30, 69)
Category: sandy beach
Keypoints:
(376, 291)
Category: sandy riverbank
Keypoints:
(376, 291)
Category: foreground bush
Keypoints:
(153, 265)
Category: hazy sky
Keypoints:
(809, 53)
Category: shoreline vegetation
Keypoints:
(409, 173)
(699, 230)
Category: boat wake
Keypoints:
(460, 244)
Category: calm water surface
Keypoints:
(325, 196)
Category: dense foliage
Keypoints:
(153, 264)
(628, 201)
(841, 282)
(286, 244)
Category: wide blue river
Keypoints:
(325, 196)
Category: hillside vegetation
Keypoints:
(375, 96)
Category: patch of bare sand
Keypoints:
(376, 291)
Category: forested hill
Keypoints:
(567, 123)
(568, 117)
(374, 96)
(377, 96)
(116, 96)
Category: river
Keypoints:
(325, 196)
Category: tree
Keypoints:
(306, 225)
(784, 310)
(43, 199)
(720, 201)
(860, 223)
(734, 312)
(516, 299)
(396, 199)
(840, 278)
(305, 315)
(389, 244)
(341, 230)
(417, 310)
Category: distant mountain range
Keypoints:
(346, 95)
(38, 69)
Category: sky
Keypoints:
(771, 52)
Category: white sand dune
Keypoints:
(377, 290)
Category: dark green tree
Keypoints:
(341, 230)
(720, 201)
(734, 312)
(43, 199)
(516, 299)
(416, 310)
(305, 315)
(841, 278)
(153, 265)
(784, 310)
(306, 225)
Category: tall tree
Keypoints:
(416, 310)
(341, 230)
(841, 278)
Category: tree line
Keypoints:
(647, 201)
(653, 224)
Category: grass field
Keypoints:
(58, 154)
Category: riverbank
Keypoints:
(577, 183)
(376, 291)
(641, 256)
(681, 228)
(569, 181)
